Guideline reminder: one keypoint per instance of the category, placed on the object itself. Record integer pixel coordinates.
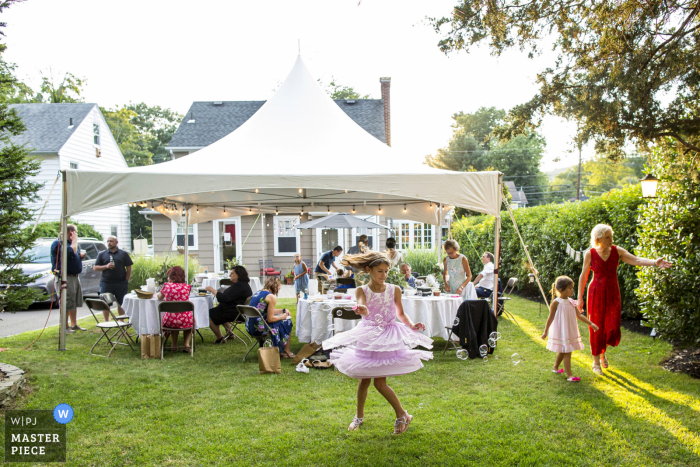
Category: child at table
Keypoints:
(301, 277)
(176, 290)
(457, 268)
(378, 347)
(564, 337)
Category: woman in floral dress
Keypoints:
(176, 290)
(279, 321)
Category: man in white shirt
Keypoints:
(484, 281)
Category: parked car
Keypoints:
(40, 263)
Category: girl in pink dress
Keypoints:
(564, 336)
(379, 346)
(175, 290)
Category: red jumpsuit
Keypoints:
(604, 305)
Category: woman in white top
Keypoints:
(394, 256)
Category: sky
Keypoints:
(171, 53)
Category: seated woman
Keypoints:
(176, 290)
(394, 256)
(225, 311)
(280, 321)
(345, 274)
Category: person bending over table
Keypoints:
(325, 263)
(280, 321)
(484, 281)
(176, 290)
(226, 311)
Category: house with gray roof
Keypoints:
(72, 136)
(518, 198)
(243, 237)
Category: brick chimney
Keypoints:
(386, 84)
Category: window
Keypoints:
(113, 230)
(74, 165)
(286, 235)
(411, 234)
(89, 249)
(100, 246)
(404, 235)
(417, 235)
(96, 134)
(192, 237)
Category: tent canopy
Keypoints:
(300, 152)
(340, 220)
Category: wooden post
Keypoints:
(64, 269)
(187, 242)
(496, 250)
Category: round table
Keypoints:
(435, 312)
(216, 283)
(143, 313)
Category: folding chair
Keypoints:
(232, 326)
(176, 307)
(346, 281)
(341, 312)
(250, 312)
(324, 283)
(450, 341)
(119, 326)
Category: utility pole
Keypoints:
(578, 186)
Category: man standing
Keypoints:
(74, 266)
(115, 265)
(407, 276)
(326, 261)
(484, 281)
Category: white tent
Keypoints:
(298, 151)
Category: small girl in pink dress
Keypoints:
(379, 346)
(564, 336)
(176, 290)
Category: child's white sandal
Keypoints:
(356, 423)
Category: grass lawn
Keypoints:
(216, 410)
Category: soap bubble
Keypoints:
(326, 307)
(515, 358)
(492, 342)
(420, 406)
(486, 359)
(329, 317)
(456, 322)
(494, 336)
(462, 354)
(483, 350)
(498, 335)
(268, 343)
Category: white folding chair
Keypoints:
(250, 312)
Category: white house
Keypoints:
(243, 237)
(73, 136)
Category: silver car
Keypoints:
(40, 256)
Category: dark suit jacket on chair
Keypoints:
(476, 322)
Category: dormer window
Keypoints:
(96, 134)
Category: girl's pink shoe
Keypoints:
(573, 379)
(560, 370)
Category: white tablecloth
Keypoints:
(435, 312)
(143, 314)
(216, 283)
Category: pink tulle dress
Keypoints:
(564, 336)
(379, 346)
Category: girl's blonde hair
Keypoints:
(365, 260)
(598, 232)
(561, 283)
(451, 244)
(273, 284)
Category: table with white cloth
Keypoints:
(216, 283)
(143, 313)
(435, 312)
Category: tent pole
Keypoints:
(187, 243)
(496, 250)
(439, 243)
(63, 242)
(264, 241)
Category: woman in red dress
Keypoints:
(604, 305)
(176, 290)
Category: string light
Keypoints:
(404, 208)
(256, 190)
(431, 205)
(346, 191)
(276, 210)
(197, 209)
(300, 190)
(353, 209)
(302, 209)
(224, 209)
(329, 209)
(380, 208)
(250, 210)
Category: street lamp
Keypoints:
(649, 184)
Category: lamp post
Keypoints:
(649, 184)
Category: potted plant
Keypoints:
(289, 278)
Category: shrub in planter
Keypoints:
(156, 267)
(670, 226)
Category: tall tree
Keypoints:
(474, 148)
(338, 91)
(68, 90)
(625, 71)
(16, 168)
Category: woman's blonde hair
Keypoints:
(365, 260)
(598, 232)
(273, 284)
(561, 283)
(451, 244)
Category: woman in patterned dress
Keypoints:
(604, 304)
(176, 290)
(455, 271)
(279, 321)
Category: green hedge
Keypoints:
(155, 266)
(670, 227)
(51, 229)
(545, 230)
